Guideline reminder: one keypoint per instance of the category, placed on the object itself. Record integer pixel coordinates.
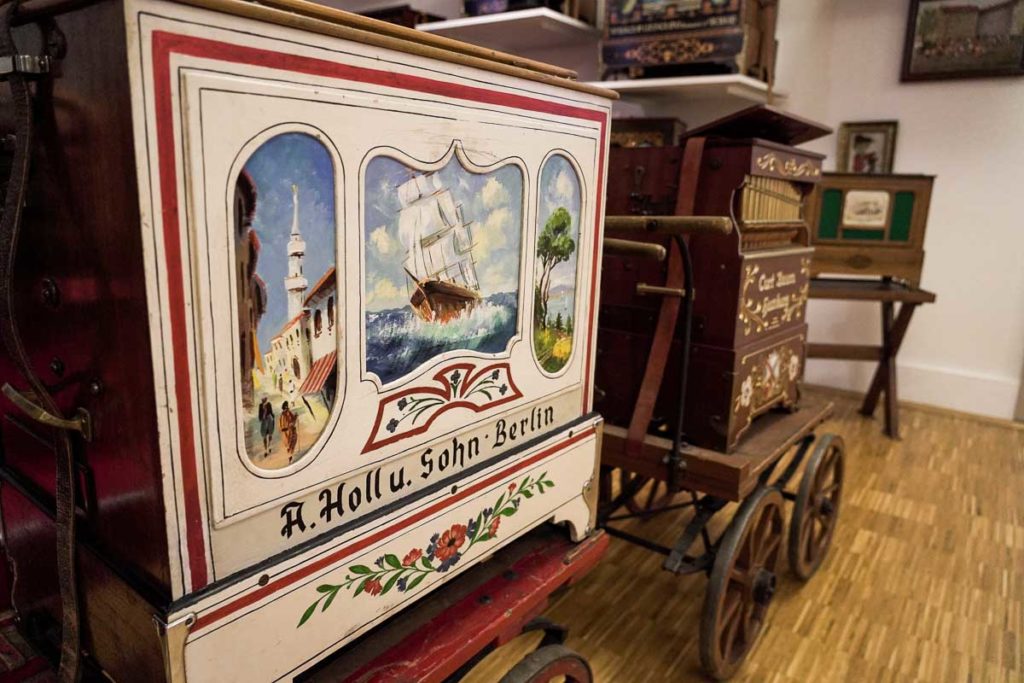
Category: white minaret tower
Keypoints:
(296, 282)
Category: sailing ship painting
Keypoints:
(439, 250)
(554, 296)
(442, 251)
(288, 322)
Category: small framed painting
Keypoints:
(963, 39)
(866, 146)
(867, 209)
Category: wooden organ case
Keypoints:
(750, 286)
(290, 273)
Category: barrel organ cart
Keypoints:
(701, 349)
(303, 303)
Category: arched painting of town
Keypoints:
(554, 295)
(288, 317)
(442, 255)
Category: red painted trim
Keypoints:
(441, 376)
(326, 560)
(194, 535)
(163, 45)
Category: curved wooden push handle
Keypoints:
(670, 225)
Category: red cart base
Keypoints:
(445, 635)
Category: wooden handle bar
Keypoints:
(631, 248)
(670, 225)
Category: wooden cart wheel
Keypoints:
(550, 663)
(817, 507)
(742, 583)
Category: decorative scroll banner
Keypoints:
(790, 168)
(411, 411)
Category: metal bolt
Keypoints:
(484, 600)
(51, 293)
(454, 489)
(264, 580)
(95, 387)
(57, 366)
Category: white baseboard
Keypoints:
(966, 392)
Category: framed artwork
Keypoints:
(963, 39)
(866, 147)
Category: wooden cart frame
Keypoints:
(742, 561)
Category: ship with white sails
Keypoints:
(439, 257)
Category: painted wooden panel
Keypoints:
(342, 270)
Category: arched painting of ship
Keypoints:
(442, 251)
(439, 250)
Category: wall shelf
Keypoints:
(740, 90)
(517, 32)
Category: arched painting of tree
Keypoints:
(554, 294)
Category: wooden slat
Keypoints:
(868, 290)
(844, 351)
(670, 225)
(343, 18)
(314, 18)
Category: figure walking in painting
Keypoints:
(288, 424)
(266, 418)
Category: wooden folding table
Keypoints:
(888, 292)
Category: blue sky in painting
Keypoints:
(277, 164)
(560, 186)
(491, 202)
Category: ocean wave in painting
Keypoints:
(397, 341)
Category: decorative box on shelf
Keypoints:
(327, 297)
(649, 38)
(870, 224)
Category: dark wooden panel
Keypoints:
(90, 343)
(844, 351)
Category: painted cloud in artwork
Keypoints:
(442, 261)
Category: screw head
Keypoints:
(57, 366)
(50, 293)
(95, 387)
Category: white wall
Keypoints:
(965, 351)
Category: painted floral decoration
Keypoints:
(446, 548)
(746, 391)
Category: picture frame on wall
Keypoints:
(866, 147)
(963, 39)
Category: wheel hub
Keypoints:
(827, 507)
(764, 586)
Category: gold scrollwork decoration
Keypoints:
(789, 168)
(757, 315)
(670, 51)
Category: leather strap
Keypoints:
(10, 225)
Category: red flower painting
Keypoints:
(450, 542)
(445, 549)
(410, 558)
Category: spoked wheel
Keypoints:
(550, 663)
(816, 508)
(742, 583)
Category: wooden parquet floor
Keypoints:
(924, 582)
